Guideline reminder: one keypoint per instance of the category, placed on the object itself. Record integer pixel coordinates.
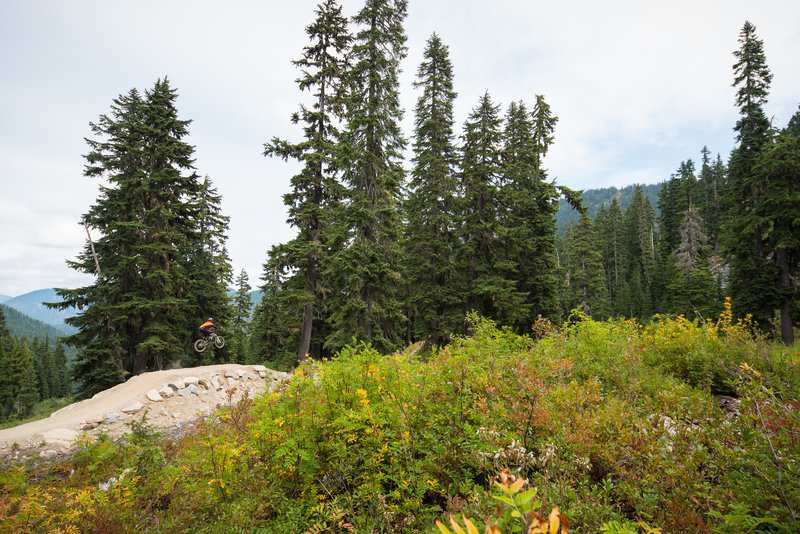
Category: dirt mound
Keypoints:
(171, 399)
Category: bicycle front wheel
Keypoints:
(219, 342)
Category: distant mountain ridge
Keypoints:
(22, 325)
(594, 198)
(32, 305)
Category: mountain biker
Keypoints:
(207, 327)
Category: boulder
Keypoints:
(154, 396)
(166, 392)
(190, 380)
(133, 408)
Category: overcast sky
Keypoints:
(638, 86)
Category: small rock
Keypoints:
(185, 392)
(154, 396)
(259, 369)
(193, 389)
(166, 392)
(49, 453)
(110, 418)
(177, 385)
(133, 408)
(205, 383)
(230, 373)
(262, 374)
(89, 425)
(190, 380)
(215, 384)
(240, 373)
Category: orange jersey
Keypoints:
(206, 324)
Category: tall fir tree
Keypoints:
(209, 272)
(431, 207)
(316, 191)
(778, 215)
(529, 206)
(133, 318)
(691, 288)
(752, 274)
(640, 256)
(610, 231)
(365, 275)
(583, 267)
(242, 306)
(63, 384)
(491, 285)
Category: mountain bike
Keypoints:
(213, 339)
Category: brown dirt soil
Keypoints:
(55, 435)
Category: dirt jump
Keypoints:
(170, 400)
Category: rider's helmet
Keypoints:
(209, 320)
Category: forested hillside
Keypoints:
(33, 305)
(593, 199)
(22, 325)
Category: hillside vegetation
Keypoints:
(615, 423)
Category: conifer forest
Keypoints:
(443, 237)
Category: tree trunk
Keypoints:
(305, 332)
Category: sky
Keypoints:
(638, 86)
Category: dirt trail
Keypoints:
(55, 434)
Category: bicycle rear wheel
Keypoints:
(200, 345)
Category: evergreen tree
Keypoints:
(134, 316)
(274, 330)
(365, 278)
(210, 273)
(241, 318)
(529, 206)
(793, 127)
(44, 368)
(4, 333)
(431, 205)
(610, 232)
(752, 274)
(63, 384)
(778, 214)
(491, 282)
(584, 276)
(18, 386)
(640, 256)
(315, 190)
(691, 290)
(5, 377)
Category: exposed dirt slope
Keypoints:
(186, 394)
